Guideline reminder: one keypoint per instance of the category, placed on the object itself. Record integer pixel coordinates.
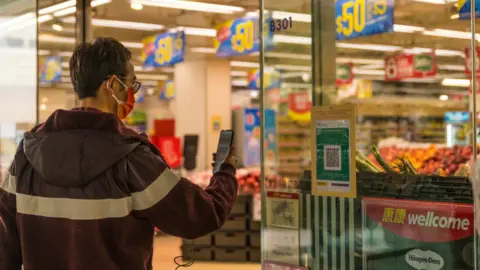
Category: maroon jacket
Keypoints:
(85, 192)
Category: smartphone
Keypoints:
(224, 144)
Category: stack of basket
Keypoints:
(237, 241)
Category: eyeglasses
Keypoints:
(136, 84)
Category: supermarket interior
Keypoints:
(391, 125)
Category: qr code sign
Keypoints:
(283, 213)
(332, 159)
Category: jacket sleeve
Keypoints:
(10, 250)
(175, 205)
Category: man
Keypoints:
(85, 192)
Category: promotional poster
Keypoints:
(163, 50)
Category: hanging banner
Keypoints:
(427, 235)
(357, 18)
(168, 90)
(270, 138)
(163, 49)
(344, 74)
(333, 151)
(468, 60)
(464, 7)
(241, 37)
(251, 140)
(271, 79)
(410, 66)
(299, 106)
(51, 69)
(171, 150)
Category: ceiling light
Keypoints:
(288, 55)
(65, 12)
(57, 27)
(443, 97)
(437, 2)
(449, 53)
(193, 31)
(407, 28)
(44, 18)
(136, 6)
(368, 72)
(151, 77)
(456, 82)
(56, 39)
(452, 67)
(372, 47)
(239, 82)
(244, 64)
(254, 93)
(127, 25)
(455, 16)
(292, 39)
(203, 50)
(189, 5)
(293, 67)
(238, 73)
(373, 66)
(43, 52)
(449, 33)
(96, 3)
(133, 45)
(57, 7)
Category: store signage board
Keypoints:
(443, 233)
(333, 151)
(299, 105)
(269, 265)
(410, 66)
(163, 50)
(167, 90)
(241, 37)
(270, 144)
(464, 7)
(271, 79)
(357, 18)
(283, 210)
(51, 69)
(344, 74)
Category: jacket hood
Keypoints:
(72, 148)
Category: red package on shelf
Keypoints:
(164, 127)
(170, 148)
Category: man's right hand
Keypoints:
(230, 159)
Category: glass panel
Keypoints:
(410, 88)
(18, 80)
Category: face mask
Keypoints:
(125, 107)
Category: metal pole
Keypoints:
(473, 53)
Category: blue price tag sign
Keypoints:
(356, 18)
(51, 70)
(241, 37)
(164, 49)
(464, 7)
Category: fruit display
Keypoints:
(445, 161)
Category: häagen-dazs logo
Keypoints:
(424, 259)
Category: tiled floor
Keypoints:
(166, 248)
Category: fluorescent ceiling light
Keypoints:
(133, 45)
(288, 55)
(373, 66)
(407, 28)
(56, 39)
(368, 72)
(456, 82)
(372, 47)
(151, 77)
(65, 12)
(43, 52)
(44, 18)
(292, 39)
(443, 97)
(189, 5)
(127, 25)
(346, 60)
(193, 31)
(244, 64)
(437, 2)
(449, 53)
(135, 6)
(455, 16)
(96, 3)
(57, 7)
(293, 67)
(452, 67)
(203, 50)
(449, 33)
(238, 73)
(239, 82)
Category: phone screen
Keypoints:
(224, 144)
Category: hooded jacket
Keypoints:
(85, 192)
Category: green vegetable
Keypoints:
(380, 160)
(368, 161)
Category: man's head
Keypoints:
(101, 72)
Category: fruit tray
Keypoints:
(417, 187)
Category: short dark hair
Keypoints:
(93, 62)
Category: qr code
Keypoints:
(283, 213)
(332, 158)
